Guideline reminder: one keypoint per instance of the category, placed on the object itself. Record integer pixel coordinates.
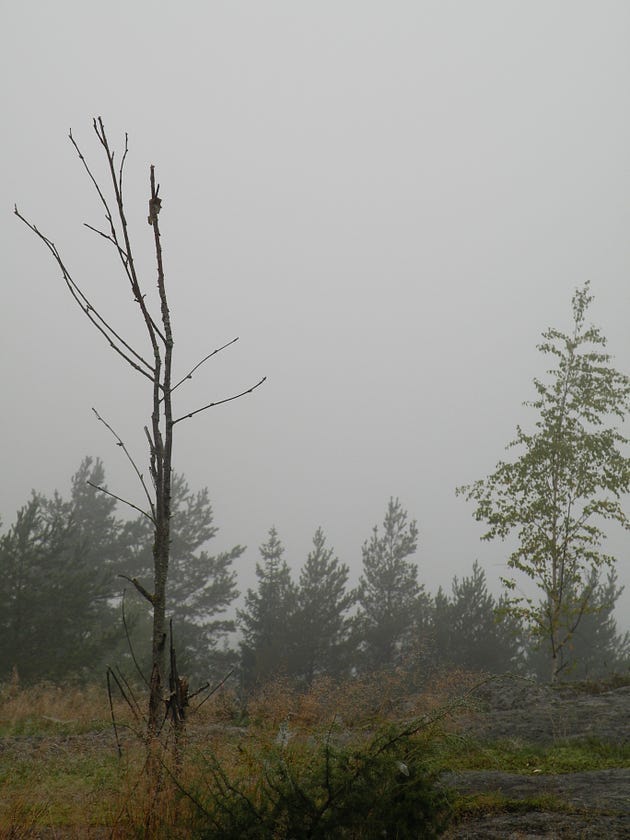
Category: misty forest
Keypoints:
(66, 613)
(309, 704)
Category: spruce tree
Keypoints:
(94, 514)
(267, 618)
(321, 624)
(27, 610)
(55, 591)
(472, 630)
(202, 586)
(597, 649)
(388, 590)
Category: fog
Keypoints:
(387, 203)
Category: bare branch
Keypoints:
(125, 254)
(153, 456)
(107, 236)
(214, 690)
(131, 461)
(155, 205)
(163, 444)
(189, 375)
(138, 713)
(111, 709)
(145, 594)
(122, 164)
(108, 214)
(129, 264)
(124, 501)
(220, 402)
(129, 643)
(128, 695)
(125, 257)
(88, 309)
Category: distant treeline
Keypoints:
(62, 615)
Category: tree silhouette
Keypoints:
(388, 589)
(154, 363)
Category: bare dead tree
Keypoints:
(155, 364)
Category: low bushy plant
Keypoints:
(324, 785)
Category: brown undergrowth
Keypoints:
(60, 769)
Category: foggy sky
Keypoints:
(387, 202)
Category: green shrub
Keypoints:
(320, 787)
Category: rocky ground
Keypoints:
(597, 803)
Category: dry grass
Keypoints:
(358, 703)
(48, 707)
(59, 765)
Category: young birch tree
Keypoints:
(566, 481)
(155, 364)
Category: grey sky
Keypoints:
(387, 202)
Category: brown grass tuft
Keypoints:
(59, 766)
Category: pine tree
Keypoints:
(439, 632)
(56, 586)
(472, 630)
(388, 590)
(268, 615)
(201, 586)
(321, 624)
(27, 615)
(596, 649)
(94, 514)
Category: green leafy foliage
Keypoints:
(566, 481)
